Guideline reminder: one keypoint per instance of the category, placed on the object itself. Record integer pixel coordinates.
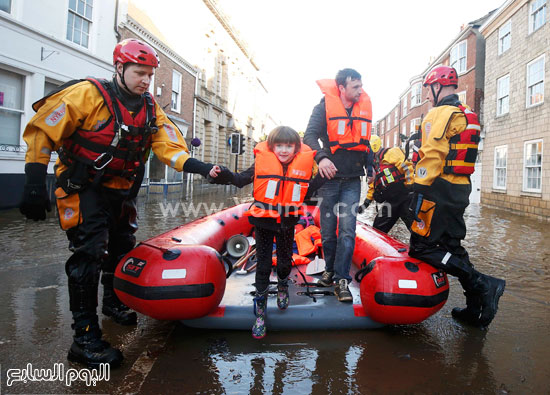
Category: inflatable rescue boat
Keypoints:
(202, 274)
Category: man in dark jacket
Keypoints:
(342, 122)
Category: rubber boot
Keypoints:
(88, 348)
(472, 312)
(112, 306)
(489, 290)
(282, 293)
(260, 310)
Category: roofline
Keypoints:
(224, 21)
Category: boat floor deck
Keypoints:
(311, 307)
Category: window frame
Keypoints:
(525, 188)
(499, 113)
(404, 106)
(532, 14)
(83, 17)
(527, 86)
(456, 47)
(502, 37)
(414, 122)
(416, 94)
(497, 168)
(177, 108)
(17, 111)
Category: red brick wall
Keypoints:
(467, 81)
(163, 75)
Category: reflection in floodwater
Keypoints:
(439, 355)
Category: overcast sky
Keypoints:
(296, 42)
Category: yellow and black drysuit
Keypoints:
(441, 189)
(102, 136)
(391, 187)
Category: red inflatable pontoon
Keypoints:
(181, 275)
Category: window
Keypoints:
(532, 169)
(388, 121)
(499, 177)
(414, 124)
(535, 81)
(383, 127)
(176, 91)
(395, 138)
(504, 37)
(396, 117)
(404, 106)
(503, 95)
(79, 21)
(387, 140)
(458, 57)
(5, 5)
(11, 107)
(49, 87)
(537, 14)
(462, 97)
(416, 95)
(404, 129)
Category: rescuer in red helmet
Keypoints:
(450, 138)
(102, 131)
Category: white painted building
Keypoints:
(42, 45)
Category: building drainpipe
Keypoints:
(190, 175)
(118, 36)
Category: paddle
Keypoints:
(316, 266)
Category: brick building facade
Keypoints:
(517, 112)
(466, 53)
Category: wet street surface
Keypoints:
(439, 355)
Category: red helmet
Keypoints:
(445, 75)
(135, 51)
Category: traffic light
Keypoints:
(242, 145)
(235, 143)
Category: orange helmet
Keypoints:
(445, 75)
(135, 51)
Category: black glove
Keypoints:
(414, 206)
(35, 201)
(364, 206)
(193, 165)
(224, 177)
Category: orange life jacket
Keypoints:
(463, 147)
(345, 131)
(308, 240)
(296, 260)
(278, 193)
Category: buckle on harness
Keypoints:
(73, 187)
(102, 160)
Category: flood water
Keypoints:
(439, 355)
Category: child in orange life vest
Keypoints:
(282, 176)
